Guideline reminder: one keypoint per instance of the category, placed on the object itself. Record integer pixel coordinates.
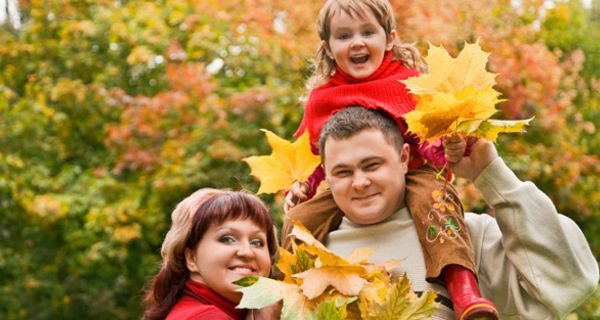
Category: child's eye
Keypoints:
(368, 33)
(227, 239)
(344, 36)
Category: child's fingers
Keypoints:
(299, 190)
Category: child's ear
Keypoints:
(328, 52)
(391, 40)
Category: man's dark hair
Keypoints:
(352, 120)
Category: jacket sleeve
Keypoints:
(533, 262)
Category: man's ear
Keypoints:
(405, 156)
(391, 40)
(190, 260)
(328, 52)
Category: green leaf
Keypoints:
(246, 281)
(334, 309)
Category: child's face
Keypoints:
(366, 175)
(357, 44)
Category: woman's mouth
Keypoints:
(243, 270)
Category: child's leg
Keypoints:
(439, 220)
(319, 215)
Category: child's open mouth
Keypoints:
(359, 59)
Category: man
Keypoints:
(533, 263)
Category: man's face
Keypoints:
(366, 176)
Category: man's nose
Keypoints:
(361, 181)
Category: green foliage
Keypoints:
(113, 111)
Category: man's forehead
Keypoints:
(366, 143)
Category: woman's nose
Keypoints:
(245, 249)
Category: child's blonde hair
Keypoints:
(382, 10)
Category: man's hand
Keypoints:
(298, 193)
(483, 152)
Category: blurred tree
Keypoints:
(113, 111)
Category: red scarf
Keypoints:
(205, 295)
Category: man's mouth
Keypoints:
(359, 59)
(365, 197)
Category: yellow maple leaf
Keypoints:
(490, 128)
(348, 280)
(447, 74)
(400, 302)
(287, 163)
(456, 96)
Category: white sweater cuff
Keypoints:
(495, 180)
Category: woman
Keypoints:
(216, 237)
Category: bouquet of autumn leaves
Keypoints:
(317, 284)
(457, 97)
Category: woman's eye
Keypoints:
(257, 243)
(227, 239)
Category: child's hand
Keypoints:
(454, 148)
(298, 193)
(482, 154)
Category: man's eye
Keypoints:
(343, 173)
(227, 239)
(372, 166)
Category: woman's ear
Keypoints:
(190, 260)
(391, 40)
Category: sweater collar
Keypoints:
(340, 77)
(200, 292)
(400, 215)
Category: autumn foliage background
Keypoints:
(113, 111)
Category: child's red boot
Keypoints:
(464, 293)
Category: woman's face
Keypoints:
(228, 252)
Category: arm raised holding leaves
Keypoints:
(534, 263)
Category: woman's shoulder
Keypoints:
(189, 309)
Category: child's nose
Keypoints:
(357, 42)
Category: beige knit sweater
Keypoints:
(533, 262)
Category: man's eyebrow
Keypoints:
(360, 163)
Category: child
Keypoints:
(360, 62)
